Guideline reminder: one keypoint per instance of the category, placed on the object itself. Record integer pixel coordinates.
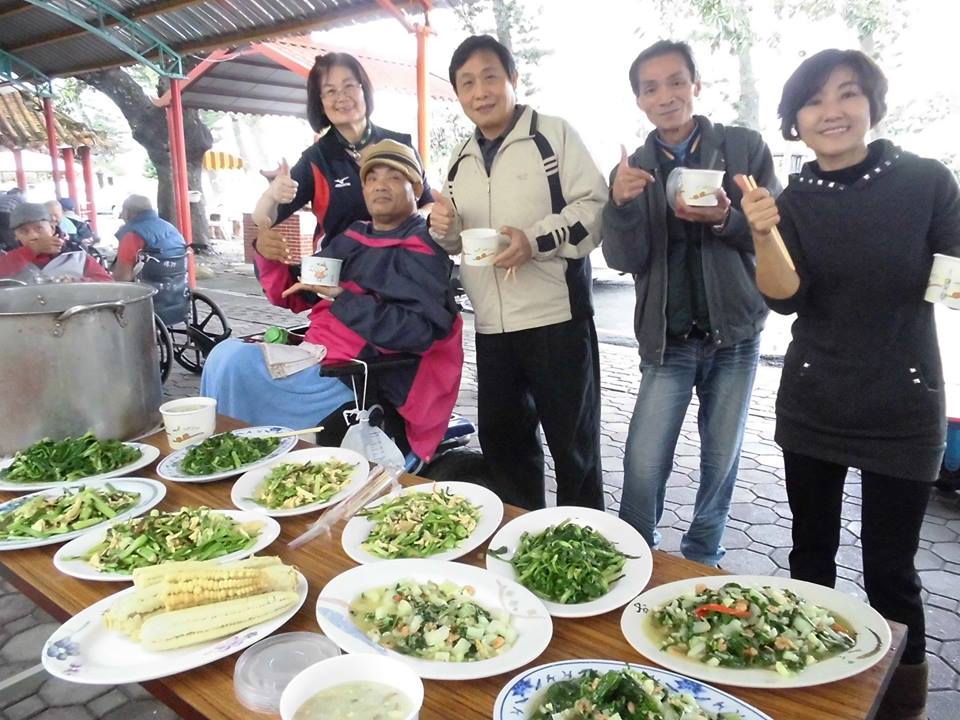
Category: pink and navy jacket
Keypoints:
(397, 299)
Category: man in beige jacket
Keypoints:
(531, 178)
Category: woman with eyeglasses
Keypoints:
(339, 104)
(862, 384)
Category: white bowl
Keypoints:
(352, 668)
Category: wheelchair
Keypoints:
(453, 459)
(188, 323)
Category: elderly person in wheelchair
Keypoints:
(393, 297)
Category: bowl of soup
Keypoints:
(358, 687)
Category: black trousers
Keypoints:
(891, 514)
(547, 376)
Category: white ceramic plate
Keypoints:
(151, 492)
(516, 698)
(873, 634)
(491, 513)
(148, 453)
(169, 467)
(246, 485)
(528, 615)
(636, 571)
(269, 532)
(82, 650)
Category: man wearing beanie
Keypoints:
(392, 297)
(39, 256)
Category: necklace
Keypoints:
(354, 149)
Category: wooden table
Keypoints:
(207, 692)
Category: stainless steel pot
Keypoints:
(77, 357)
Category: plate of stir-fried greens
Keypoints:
(579, 561)
(594, 689)
(85, 458)
(756, 631)
(226, 454)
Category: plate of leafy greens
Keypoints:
(226, 454)
(581, 562)
(581, 689)
(60, 514)
(51, 463)
(113, 553)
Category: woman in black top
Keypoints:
(339, 104)
(862, 384)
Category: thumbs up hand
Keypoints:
(442, 216)
(629, 182)
(283, 188)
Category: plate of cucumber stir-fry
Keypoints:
(440, 521)
(86, 458)
(587, 689)
(756, 631)
(581, 562)
(60, 514)
(115, 552)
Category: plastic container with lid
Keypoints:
(265, 669)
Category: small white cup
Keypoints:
(480, 245)
(352, 668)
(944, 284)
(189, 421)
(699, 187)
(316, 270)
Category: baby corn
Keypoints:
(180, 628)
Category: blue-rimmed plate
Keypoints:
(169, 468)
(148, 453)
(151, 492)
(518, 698)
(83, 650)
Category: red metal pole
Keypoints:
(180, 167)
(71, 172)
(52, 142)
(423, 90)
(18, 164)
(174, 175)
(88, 186)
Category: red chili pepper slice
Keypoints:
(704, 610)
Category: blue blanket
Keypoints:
(236, 375)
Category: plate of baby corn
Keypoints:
(177, 616)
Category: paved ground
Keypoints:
(757, 536)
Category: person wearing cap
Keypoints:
(8, 201)
(392, 297)
(339, 105)
(40, 255)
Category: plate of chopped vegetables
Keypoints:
(440, 521)
(301, 482)
(756, 631)
(113, 553)
(60, 514)
(51, 463)
(446, 620)
(570, 689)
(226, 454)
(581, 562)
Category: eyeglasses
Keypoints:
(351, 90)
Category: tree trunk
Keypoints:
(148, 125)
(502, 14)
(748, 106)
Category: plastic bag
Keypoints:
(370, 441)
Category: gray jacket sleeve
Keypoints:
(735, 230)
(625, 232)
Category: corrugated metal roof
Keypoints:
(58, 47)
(22, 125)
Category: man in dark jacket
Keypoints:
(699, 314)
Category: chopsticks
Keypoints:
(511, 273)
(777, 237)
(291, 433)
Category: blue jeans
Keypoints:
(723, 378)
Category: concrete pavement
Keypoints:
(757, 536)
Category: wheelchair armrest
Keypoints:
(384, 362)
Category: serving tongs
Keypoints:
(379, 479)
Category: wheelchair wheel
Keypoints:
(164, 348)
(206, 325)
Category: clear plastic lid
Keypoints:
(267, 667)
